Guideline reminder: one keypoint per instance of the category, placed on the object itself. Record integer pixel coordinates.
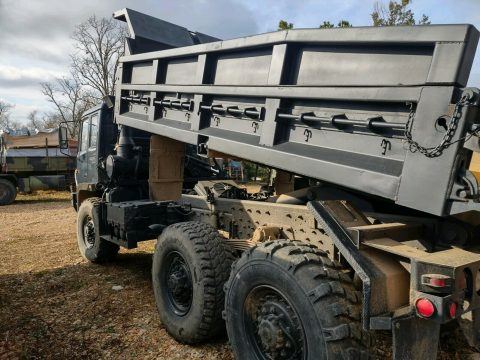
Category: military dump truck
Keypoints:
(373, 224)
(34, 162)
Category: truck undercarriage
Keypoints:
(385, 236)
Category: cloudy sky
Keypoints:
(35, 35)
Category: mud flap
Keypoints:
(415, 338)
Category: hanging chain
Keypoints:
(435, 151)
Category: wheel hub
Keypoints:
(275, 327)
(89, 233)
(270, 333)
(179, 284)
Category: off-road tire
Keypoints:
(8, 192)
(326, 303)
(100, 250)
(209, 262)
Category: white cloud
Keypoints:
(19, 77)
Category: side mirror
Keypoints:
(63, 137)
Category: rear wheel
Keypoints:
(287, 300)
(190, 266)
(91, 246)
(8, 192)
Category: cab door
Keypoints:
(82, 156)
(92, 153)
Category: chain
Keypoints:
(434, 151)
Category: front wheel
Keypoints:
(287, 300)
(8, 192)
(91, 246)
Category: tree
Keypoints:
(5, 109)
(45, 121)
(34, 121)
(51, 120)
(397, 13)
(344, 24)
(70, 101)
(326, 25)
(98, 44)
(341, 24)
(284, 25)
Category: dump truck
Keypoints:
(34, 162)
(373, 222)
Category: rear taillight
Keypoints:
(425, 308)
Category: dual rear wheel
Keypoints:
(283, 299)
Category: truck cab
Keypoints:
(98, 141)
(98, 136)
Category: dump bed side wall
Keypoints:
(328, 104)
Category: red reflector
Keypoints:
(438, 282)
(452, 310)
(425, 308)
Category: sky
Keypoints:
(35, 35)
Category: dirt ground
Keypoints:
(53, 304)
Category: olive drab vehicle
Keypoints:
(371, 223)
(34, 162)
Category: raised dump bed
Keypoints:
(379, 110)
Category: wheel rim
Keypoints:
(88, 232)
(178, 283)
(273, 325)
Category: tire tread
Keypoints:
(334, 291)
(216, 262)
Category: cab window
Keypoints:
(93, 132)
(84, 141)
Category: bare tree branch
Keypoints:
(70, 101)
(98, 45)
(5, 109)
(34, 121)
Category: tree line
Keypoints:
(98, 44)
(395, 13)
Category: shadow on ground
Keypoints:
(74, 312)
(66, 311)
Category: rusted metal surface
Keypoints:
(396, 231)
(241, 218)
(450, 257)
